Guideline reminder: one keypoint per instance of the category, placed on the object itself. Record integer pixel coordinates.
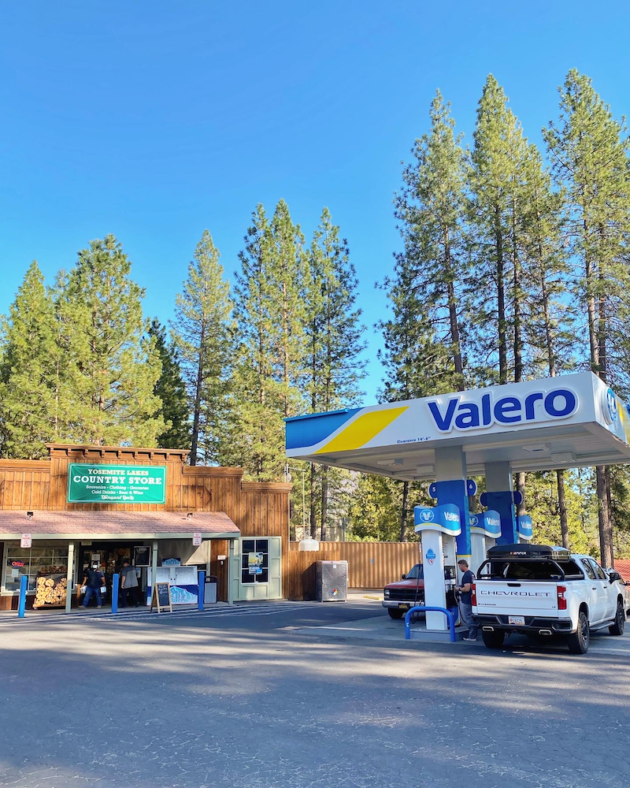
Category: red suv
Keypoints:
(399, 597)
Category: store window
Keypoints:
(254, 561)
(45, 567)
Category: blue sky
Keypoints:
(156, 120)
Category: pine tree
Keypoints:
(549, 318)
(589, 151)
(202, 334)
(333, 343)
(113, 366)
(496, 213)
(430, 212)
(171, 390)
(28, 372)
(424, 351)
(270, 310)
(407, 354)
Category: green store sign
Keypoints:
(116, 483)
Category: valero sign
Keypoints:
(116, 483)
(461, 414)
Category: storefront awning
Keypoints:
(116, 525)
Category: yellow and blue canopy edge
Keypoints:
(310, 430)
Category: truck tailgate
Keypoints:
(506, 597)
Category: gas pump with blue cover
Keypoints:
(439, 528)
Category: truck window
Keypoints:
(534, 570)
(415, 573)
(589, 569)
(601, 575)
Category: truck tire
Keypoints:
(493, 639)
(620, 621)
(394, 612)
(578, 642)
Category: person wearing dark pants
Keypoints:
(93, 581)
(465, 601)
(128, 584)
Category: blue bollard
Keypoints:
(23, 587)
(115, 583)
(202, 589)
(450, 617)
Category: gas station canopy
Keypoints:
(564, 422)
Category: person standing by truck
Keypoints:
(465, 600)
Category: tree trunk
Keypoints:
(313, 513)
(324, 512)
(520, 486)
(456, 344)
(516, 284)
(501, 322)
(197, 408)
(610, 526)
(403, 513)
(605, 540)
(562, 509)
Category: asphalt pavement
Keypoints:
(288, 694)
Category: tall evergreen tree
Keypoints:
(29, 407)
(549, 319)
(270, 310)
(202, 334)
(430, 213)
(496, 208)
(589, 151)
(114, 366)
(424, 351)
(171, 390)
(408, 344)
(333, 342)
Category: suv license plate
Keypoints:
(516, 620)
(403, 607)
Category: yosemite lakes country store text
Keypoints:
(106, 505)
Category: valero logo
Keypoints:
(461, 414)
(427, 515)
(430, 556)
(611, 405)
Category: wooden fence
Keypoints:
(370, 564)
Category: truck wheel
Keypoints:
(395, 613)
(493, 639)
(578, 641)
(620, 621)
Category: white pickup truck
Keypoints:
(544, 591)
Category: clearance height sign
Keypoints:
(116, 483)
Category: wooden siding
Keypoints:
(370, 564)
(257, 508)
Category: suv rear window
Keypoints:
(532, 570)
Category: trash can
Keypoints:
(210, 591)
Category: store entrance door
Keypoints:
(110, 557)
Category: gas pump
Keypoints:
(524, 528)
(485, 529)
(438, 527)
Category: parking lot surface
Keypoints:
(301, 695)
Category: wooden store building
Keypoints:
(105, 504)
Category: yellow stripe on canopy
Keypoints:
(362, 430)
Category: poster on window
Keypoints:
(254, 563)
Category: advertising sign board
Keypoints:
(116, 483)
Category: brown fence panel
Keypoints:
(370, 564)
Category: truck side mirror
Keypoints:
(403, 577)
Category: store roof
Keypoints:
(563, 422)
(111, 524)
